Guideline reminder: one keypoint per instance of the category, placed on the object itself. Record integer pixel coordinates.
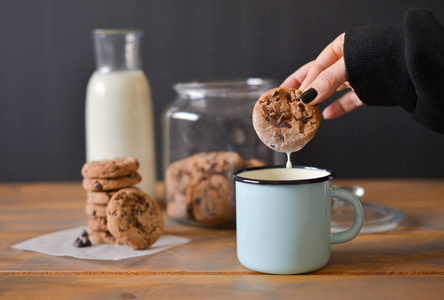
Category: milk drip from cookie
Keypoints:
(119, 114)
(283, 122)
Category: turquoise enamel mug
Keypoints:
(283, 218)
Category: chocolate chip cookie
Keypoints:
(109, 184)
(98, 224)
(254, 162)
(100, 198)
(211, 200)
(199, 187)
(103, 237)
(134, 218)
(180, 208)
(283, 122)
(110, 168)
(95, 210)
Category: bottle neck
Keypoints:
(117, 50)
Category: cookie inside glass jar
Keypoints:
(200, 188)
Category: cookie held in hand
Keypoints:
(283, 122)
(134, 218)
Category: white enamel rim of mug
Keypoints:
(238, 177)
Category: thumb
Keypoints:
(325, 84)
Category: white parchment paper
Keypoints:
(61, 243)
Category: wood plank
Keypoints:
(402, 193)
(415, 247)
(221, 287)
(215, 252)
(48, 207)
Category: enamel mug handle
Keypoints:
(352, 232)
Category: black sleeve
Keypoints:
(400, 65)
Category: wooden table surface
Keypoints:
(405, 263)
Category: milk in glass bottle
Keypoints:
(119, 113)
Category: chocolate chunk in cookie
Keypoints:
(110, 168)
(134, 218)
(109, 184)
(283, 122)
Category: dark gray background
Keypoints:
(46, 59)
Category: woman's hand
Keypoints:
(321, 78)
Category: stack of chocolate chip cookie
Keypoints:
(121, 214)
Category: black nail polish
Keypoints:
(308, 95)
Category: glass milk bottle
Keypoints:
(119, 113)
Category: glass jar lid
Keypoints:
(227, 88)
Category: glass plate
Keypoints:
(377, 217)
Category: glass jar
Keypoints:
(208, 134)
